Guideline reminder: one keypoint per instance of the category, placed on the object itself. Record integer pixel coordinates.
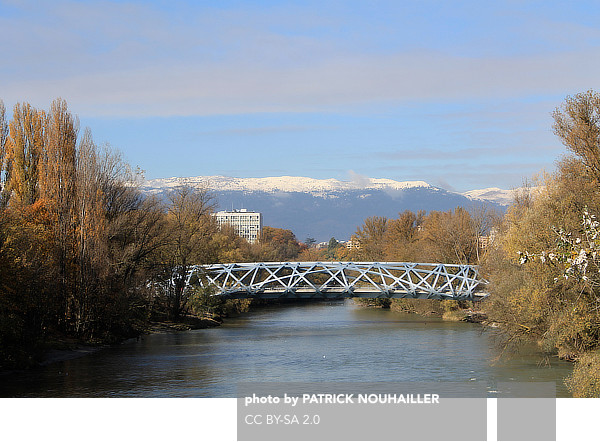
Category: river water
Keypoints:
(324, 341)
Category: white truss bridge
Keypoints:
(330, 280)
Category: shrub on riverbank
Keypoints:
(373, 302)
(585, 380)
(425, 307)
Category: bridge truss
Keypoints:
(325, 280)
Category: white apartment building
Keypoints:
(246, 224)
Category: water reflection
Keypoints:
(324, 342)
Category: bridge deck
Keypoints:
(332, 280)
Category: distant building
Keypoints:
(341, 243)
(488, 240)
(246, 224)
(352, 244)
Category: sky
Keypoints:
(456, 93)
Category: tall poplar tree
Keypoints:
(25, 144)
(58, 160)
(57, 190)
(3, 136)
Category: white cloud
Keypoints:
(193, 89)
(359, 180)
(134, 60)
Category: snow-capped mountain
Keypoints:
(285, 184)
(322, 208)
(501, 197)
(492, 194)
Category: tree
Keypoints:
(401, 236)
(484, 222)
(57, 169)
(78, 240)
(278, 244)
(229, 246)
(310, 242)
(370, 237)
(57, 184)
(28, 295)
(25, 144)
(191, 225)
(117, 234)
(332, 247)
(312, 255)
(577, 124)
(3, 136)
(449, 237)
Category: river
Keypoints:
(324, 341)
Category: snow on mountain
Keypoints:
(283, 184)
(319, 187)
(499, 196)
(494, 194)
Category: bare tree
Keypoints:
(191, 227)
(577, 124)
(108, 225)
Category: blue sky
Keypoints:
(458, 94)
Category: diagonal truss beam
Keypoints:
(342, 280)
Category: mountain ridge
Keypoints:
(325, 208)
(286, 183)
(317, 186)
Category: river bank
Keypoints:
(187, 323)
(64, 348)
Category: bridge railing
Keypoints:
(341, 279)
